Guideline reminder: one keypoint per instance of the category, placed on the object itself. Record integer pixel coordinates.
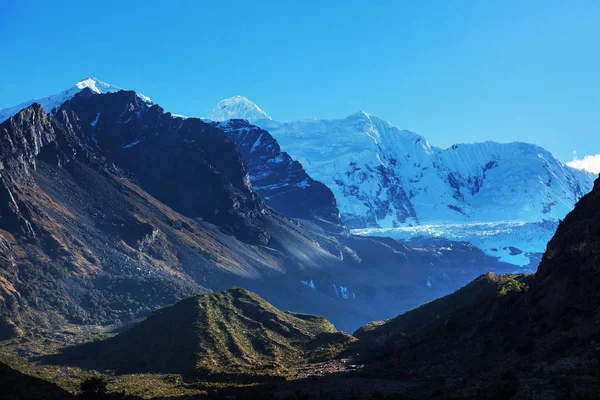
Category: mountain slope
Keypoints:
(233, 332)
(176, 160)
(482, 299)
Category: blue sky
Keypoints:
(455, 71)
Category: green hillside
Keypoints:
(229, 333)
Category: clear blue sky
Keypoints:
(453, 70)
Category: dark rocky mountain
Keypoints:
(184, 163)
(532, 333)
(111, 208)
(280, 180)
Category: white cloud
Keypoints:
(588, 163)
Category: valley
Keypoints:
(317, 200)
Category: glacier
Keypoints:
(515, 242)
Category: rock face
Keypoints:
(23, 138)
(281, 181)
(233, 333)
(541, 326)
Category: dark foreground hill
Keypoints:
(17, 386)
(532, 334)
(232, 333)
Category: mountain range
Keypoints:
(392, 182)
(112, 208)
(386, 177)
(122, 226)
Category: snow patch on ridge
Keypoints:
(130, 145)
(310, 283)
(95, 121)
(51, 102)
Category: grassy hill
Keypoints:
(455, 320)
(232, 333)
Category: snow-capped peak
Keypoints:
(56, 100)
(94, 84)
(360, 114)
(237, 107)
(99, 87)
